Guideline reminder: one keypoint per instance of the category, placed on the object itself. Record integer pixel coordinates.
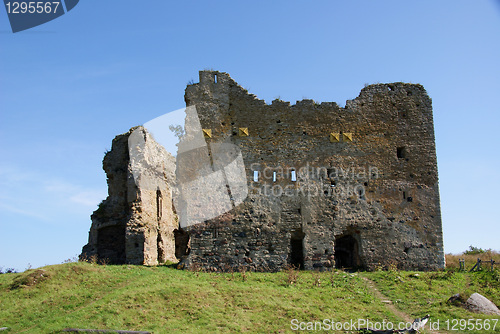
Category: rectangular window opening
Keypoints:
(401, 152)
(294, 176)
(274, 176)
(256, 176)
(331, 172)
(215, 78)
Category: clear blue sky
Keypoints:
(69, 86)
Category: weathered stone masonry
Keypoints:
(361, 182)
(136, 222)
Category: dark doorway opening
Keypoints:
(111, 244)
(181, 243)
(297, 249)
(347, 253)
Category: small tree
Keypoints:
(474, 251)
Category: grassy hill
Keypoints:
(165, 300)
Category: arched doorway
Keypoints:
(347, 253)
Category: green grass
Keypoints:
(420, 293)
(165, 300)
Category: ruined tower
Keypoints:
(352, 187)
(136, 222)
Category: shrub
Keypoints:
(475, 250)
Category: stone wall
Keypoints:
(356, 186)
(353, 187)
(136, 222)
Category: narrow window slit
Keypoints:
(401, 152)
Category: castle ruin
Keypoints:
(328, 186)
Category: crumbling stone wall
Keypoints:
(370, 170)
(353, 187)
(136, 222)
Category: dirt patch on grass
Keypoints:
(29, 278)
